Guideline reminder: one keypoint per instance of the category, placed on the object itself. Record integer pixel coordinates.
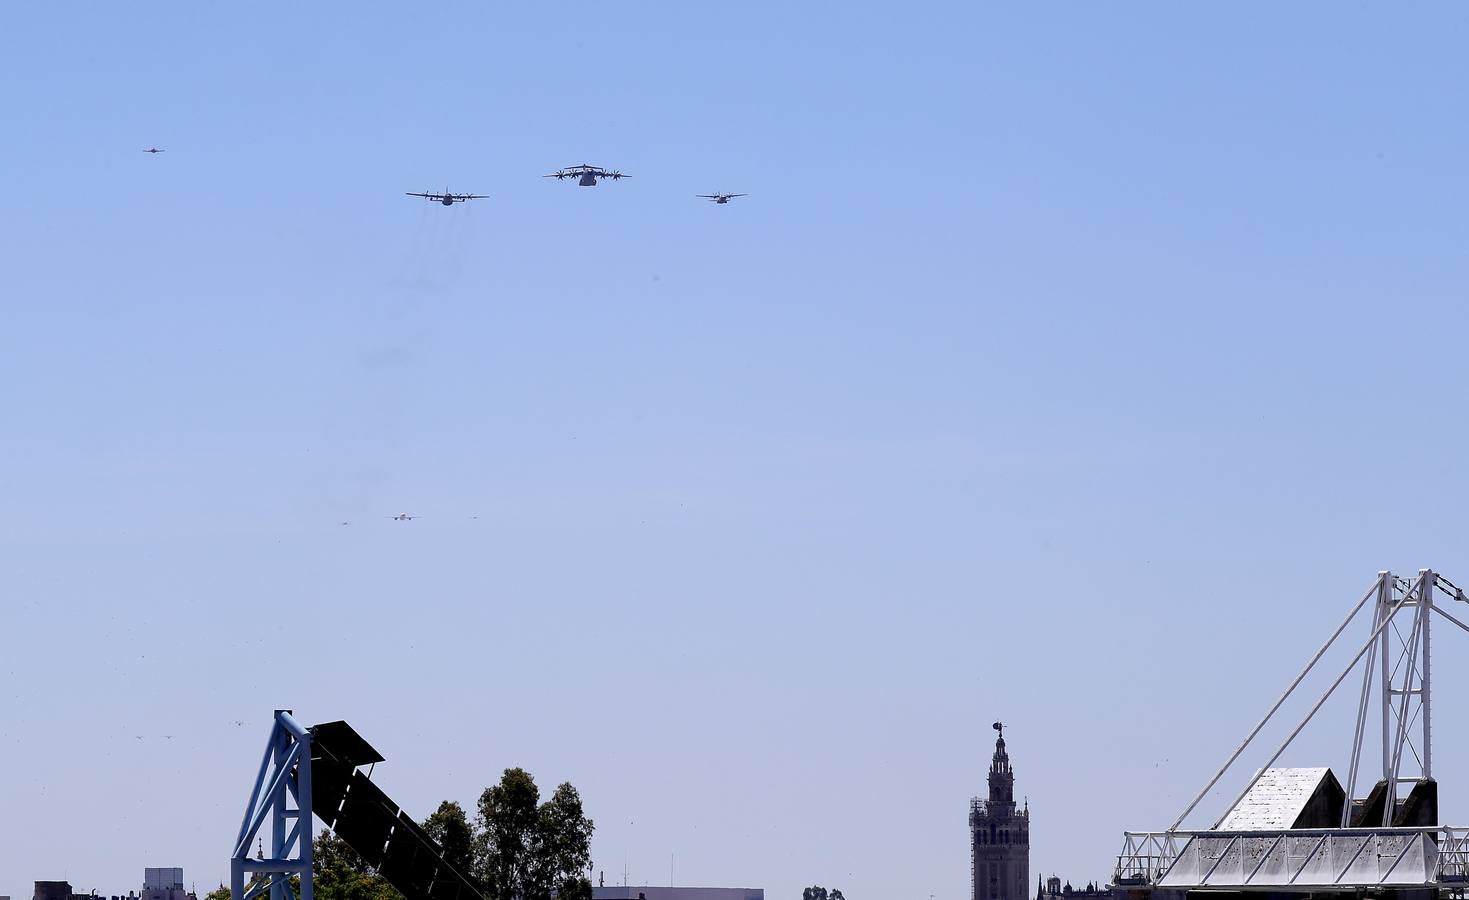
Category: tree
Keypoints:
(449, 827)
(220, 893)
(816, 892)
(517, 848)
(340, 874)
(530, 850)
(565, 845)
(507, 829)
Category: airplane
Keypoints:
(721, 198)
(585, 175)
(154, 150)
(404, 517)
(447, 198)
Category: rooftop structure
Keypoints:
(163, 879)
(164, 884)
(676, 893)
(1288, 798)
(1053, 889)
(52, 890)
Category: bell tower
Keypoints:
(999, 834)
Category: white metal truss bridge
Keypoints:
(1373, 845)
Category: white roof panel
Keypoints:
(1276, 800)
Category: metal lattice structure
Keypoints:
(1392, 849)
(282, 797)
(1405, 688)
(319, 771)
(1295, 859)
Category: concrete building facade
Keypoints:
(999, 835)
(158, 884)
(164, 884)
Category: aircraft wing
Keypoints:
(427, 196)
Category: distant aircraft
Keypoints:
(154, 150)
(404, 517)
(586, 175)
(447, 198)
(721, 198)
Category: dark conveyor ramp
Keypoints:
(375, 827)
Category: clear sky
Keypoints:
(1075, 365)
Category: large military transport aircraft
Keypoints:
(586, 175)
(447, 198)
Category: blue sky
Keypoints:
(1072, 365)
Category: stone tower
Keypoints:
(999, 835)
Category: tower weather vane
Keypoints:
(1000, 727)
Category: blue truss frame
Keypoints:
(282, 796)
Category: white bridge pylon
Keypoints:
(1398, 674)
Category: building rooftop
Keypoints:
(1277, 800)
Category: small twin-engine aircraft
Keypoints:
(721, 198)
(447, 198)
(154, 150)
(404, 517)
(586, 175)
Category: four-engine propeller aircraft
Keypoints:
(404, 517)
(720, 198)
(447, 198)
(154, 150)
(586, 175)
